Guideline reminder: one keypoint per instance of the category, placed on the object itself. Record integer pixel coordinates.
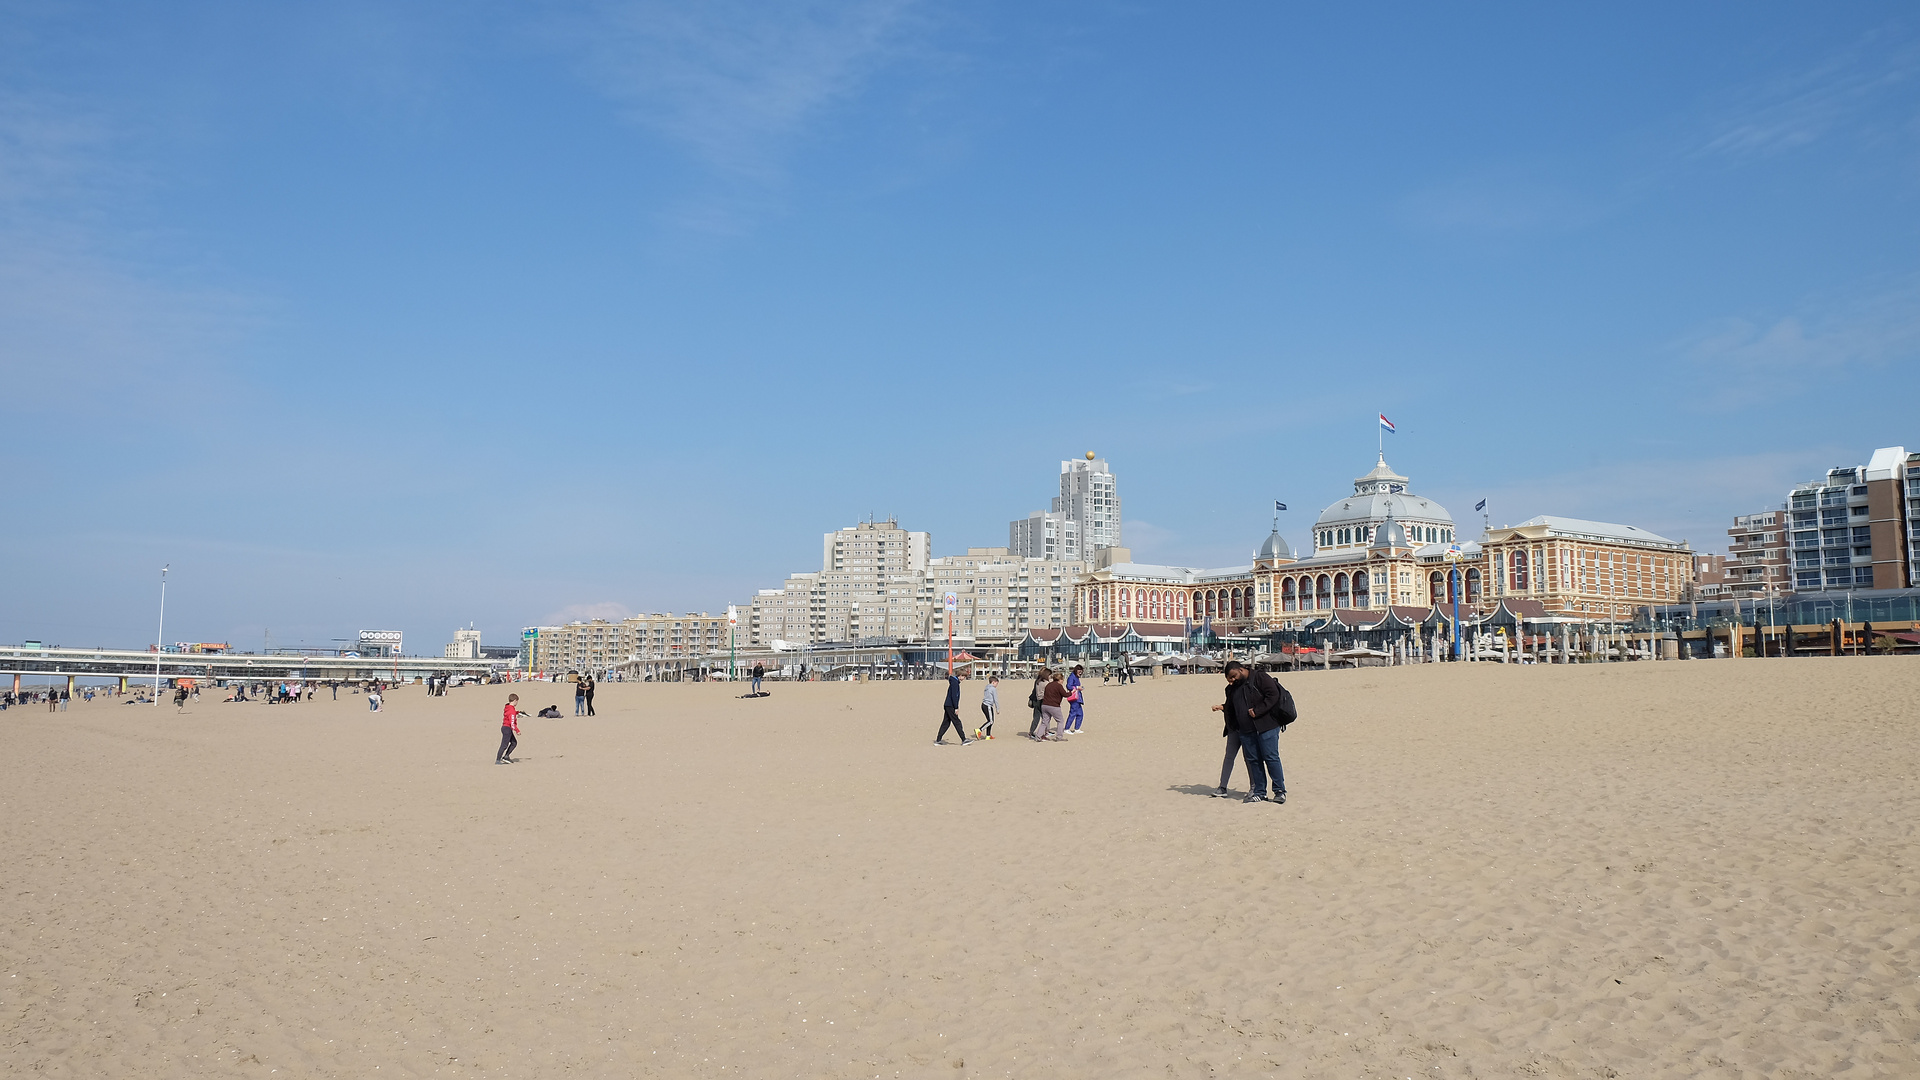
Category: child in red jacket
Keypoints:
(509, 731)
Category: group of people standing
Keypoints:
(583, 696)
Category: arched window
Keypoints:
(1473, 586)
(1323, 593)
(1341, 598)
(1236, 604)
(1126, 609)
(1362, 589)
(1209, 601)
(1287, 597)
(1519, 571)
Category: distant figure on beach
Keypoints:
(759, 672)
(179, 698)
(1251, 708)
(509, 731)
(1034, 700)
(950, 714)
(989, 707)
(579, 695)
(1051, 714)
(373, 698)
(590, 686)
(1074, 700)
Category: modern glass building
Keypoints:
(1858, 527)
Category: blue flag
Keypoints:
(1479, 506)
(1278, 506)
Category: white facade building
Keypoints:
(1084, 517)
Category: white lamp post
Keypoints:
(160, 635)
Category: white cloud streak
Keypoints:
(736, 82)
(1799, 110)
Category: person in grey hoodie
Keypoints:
(989, 707)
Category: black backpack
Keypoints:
(1286, 709)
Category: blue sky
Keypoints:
(376, 315)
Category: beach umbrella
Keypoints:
(1201, 660)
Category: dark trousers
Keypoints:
(1226, 767)
(590, 711)
(1262, 752)
(987, 728)
(508, 740)
(951, 716)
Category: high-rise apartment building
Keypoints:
(599, 644)
(999, 596)
(1084, 517)
(1757, 557)
(1856, 527)
(465, 645)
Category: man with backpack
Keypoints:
(1257, 708)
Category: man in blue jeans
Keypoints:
(1252, 709)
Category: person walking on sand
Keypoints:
(579, 695)
(1252, 708)
(509, 731)
(950, 714)
(989, 707)
(1051, 714)
(1074, 698)
(373, 698)
(1034, 700)
(590, 711)
(759, 672)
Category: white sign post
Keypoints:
(953, 605)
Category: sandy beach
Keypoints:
(1632, 870)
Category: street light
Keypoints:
(160, 634)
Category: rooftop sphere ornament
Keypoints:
(1089, 455)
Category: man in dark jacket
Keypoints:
(950, 714)
(1251, 708)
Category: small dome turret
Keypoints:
(1389, 534)
(1274, 548)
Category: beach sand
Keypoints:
(1635, 870)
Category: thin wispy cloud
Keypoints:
(1841, 92)
(78, 314)
(1749, 359)
(611, 611)
(1499, 205)
(738, 83)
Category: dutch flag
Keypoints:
(1385, 424)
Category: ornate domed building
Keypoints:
(1349, 524)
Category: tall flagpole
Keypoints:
(160, 635)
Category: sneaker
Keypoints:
(976, 733)
(968, 742)
(503, 761)
(1220, 793)
(939, 742)
(1280, 798)
(1254, 798)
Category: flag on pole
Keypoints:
(1279, 506)
(1386, 424)
(1479, 506)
